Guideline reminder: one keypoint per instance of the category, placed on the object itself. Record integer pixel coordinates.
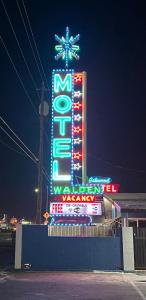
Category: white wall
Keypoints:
(18, 246)
(128, 249)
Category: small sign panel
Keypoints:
(76, 208)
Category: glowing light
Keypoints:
(77, 94)
(78, 189)
(79, 220)
(77, 117)
(77, 155)
(77, 166)
(60, 146)
(110, 188)
(75, 208)
(62, 104)
(77, 129)
(78, 78)
(67, 48)
(79, 198)
(99, 179)
(62, 84)
(77, 105)
(56, 176)
(77, 141)
(62, 123)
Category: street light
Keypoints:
(36, 190)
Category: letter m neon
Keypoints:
(62, 84)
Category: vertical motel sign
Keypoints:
(68, 140)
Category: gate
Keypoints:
(140, 248)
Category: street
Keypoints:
(72, 285)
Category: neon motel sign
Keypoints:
(68, 128)
(68, 140)
(62, 121)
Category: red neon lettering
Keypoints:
(78, 198)
(110, 188)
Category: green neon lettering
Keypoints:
(60, 147)
(97, 189)
(62, 84)
(62, 104)
(56, 176)
(75, 190)
(57, 189)
(90, 189)
(62, 124)
(78, 190)
(82, 189)
(66, 190)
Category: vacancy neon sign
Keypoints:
(89, 198)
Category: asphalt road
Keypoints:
(72, 285)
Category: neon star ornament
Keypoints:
(77, 94)
(77, 155)
(77, 141)
(77, 105)
(77, 166)
(67, 48)
(78, 78)
(77, 117)
(77, 129)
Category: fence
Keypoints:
(80, 231)
(140, 248)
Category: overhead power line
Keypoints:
(21, 51)
(18, 75)
(17, 144)
(11, 148)
(14, 66)
(35, 43)
(31, 155)
(24, 155)
(117, 165)
(29, 40)
(18, 138)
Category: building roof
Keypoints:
(131, 204)
(125, 196)
(128, 200)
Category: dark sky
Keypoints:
(113, 52)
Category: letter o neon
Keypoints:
(62, 104)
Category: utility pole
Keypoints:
(40, 162)
(43, 111)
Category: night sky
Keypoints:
(113, 52)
